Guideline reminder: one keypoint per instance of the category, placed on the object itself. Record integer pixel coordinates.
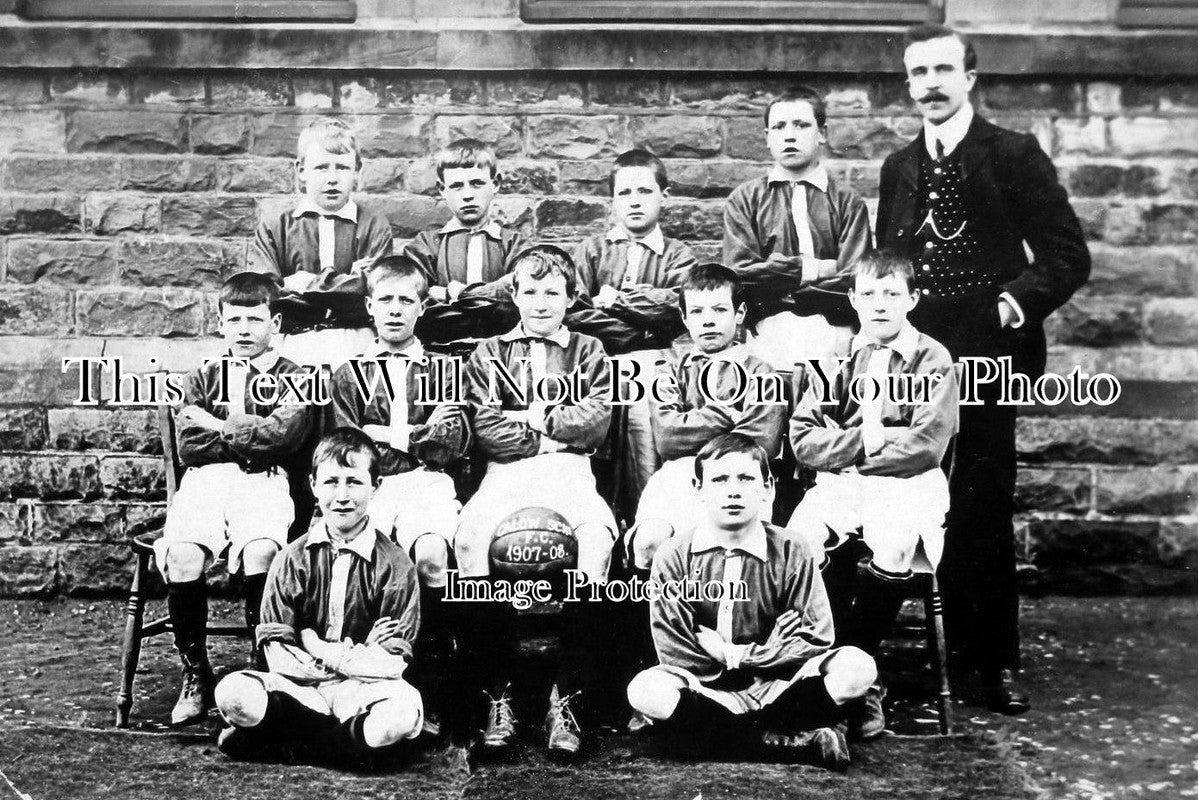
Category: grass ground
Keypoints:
(1115, 717)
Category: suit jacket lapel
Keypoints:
(973, 147)
(908, 163)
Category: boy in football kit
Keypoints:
(537, 455)
(235, 494)
(416, 504)
(627, 281)
(877, 434)
(339, 617)
(791, 235)
(467, 260)
(746, 678)
(317, 249)
(713, 363)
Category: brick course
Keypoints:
(126, 197)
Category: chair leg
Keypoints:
(934, 615)
(131, 645)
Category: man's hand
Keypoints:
(712, 643)
(439, 293)
(383, 631)
(298, 281)
(607, 295)
(516, 416)
(443, 414)
(455, 289)
(378, 433)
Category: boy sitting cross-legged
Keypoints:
(416, 503)
(746, 678)
(879, 460)
(339, 617)
(235, 495)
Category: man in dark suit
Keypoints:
(996, 248)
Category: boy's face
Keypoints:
(328, 178)
(732, 491)
(882, 305)
(468, 192)
(395, 305)
(936, 77)
(793, 135)
(343, 493)
(636, 199)
(542, 302)
(712, 319)
(247, 330)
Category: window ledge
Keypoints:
(511, 45)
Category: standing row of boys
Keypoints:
(341, 612)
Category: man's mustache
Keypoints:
(932, 97)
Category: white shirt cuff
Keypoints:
(734, 654)
(1019, 318)
(401, 437)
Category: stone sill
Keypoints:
(504, 45)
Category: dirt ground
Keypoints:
(1114, 684)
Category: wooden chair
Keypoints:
(136, 629)
(933, 605)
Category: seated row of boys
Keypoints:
(879, 460)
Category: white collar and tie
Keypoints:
(654, 241)
(815, 176)
(476, 246)
(361, 546)
(239, 376)
(396, 364)
(948, 134)
(878, 368)
(326, 240)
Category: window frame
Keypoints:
(728, 11)
(181, 10)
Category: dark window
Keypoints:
(225, 10)
(862, 11)
(1157, 13)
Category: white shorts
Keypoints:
(411, 504)
(786, 339)
(758, 695)
(347, 698)
(670, 496)
(562, 482)
(219, 506)
(891, 515)
(332, 346)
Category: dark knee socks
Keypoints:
(880, 596)
(254, 586)
(840, 580)
(187, 605)
(805, 705)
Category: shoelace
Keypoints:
(500, 715)
(561, 711)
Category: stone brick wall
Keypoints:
(125, 197)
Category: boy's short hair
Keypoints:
(543, 260)
(805, 94)
(464, 154)
(332, 135)
(727, 443)
(882, 264)
(638, 158)
(705, 277)
(248, 289)
(927, 31)
(395, 266)
(342, 443)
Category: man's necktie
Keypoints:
(939, 149)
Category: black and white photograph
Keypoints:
(667, 400)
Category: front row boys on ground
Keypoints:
(339, 618)
(236, 493)
(537, 455)
(747, 678)
(416, 504)
(879, 452)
